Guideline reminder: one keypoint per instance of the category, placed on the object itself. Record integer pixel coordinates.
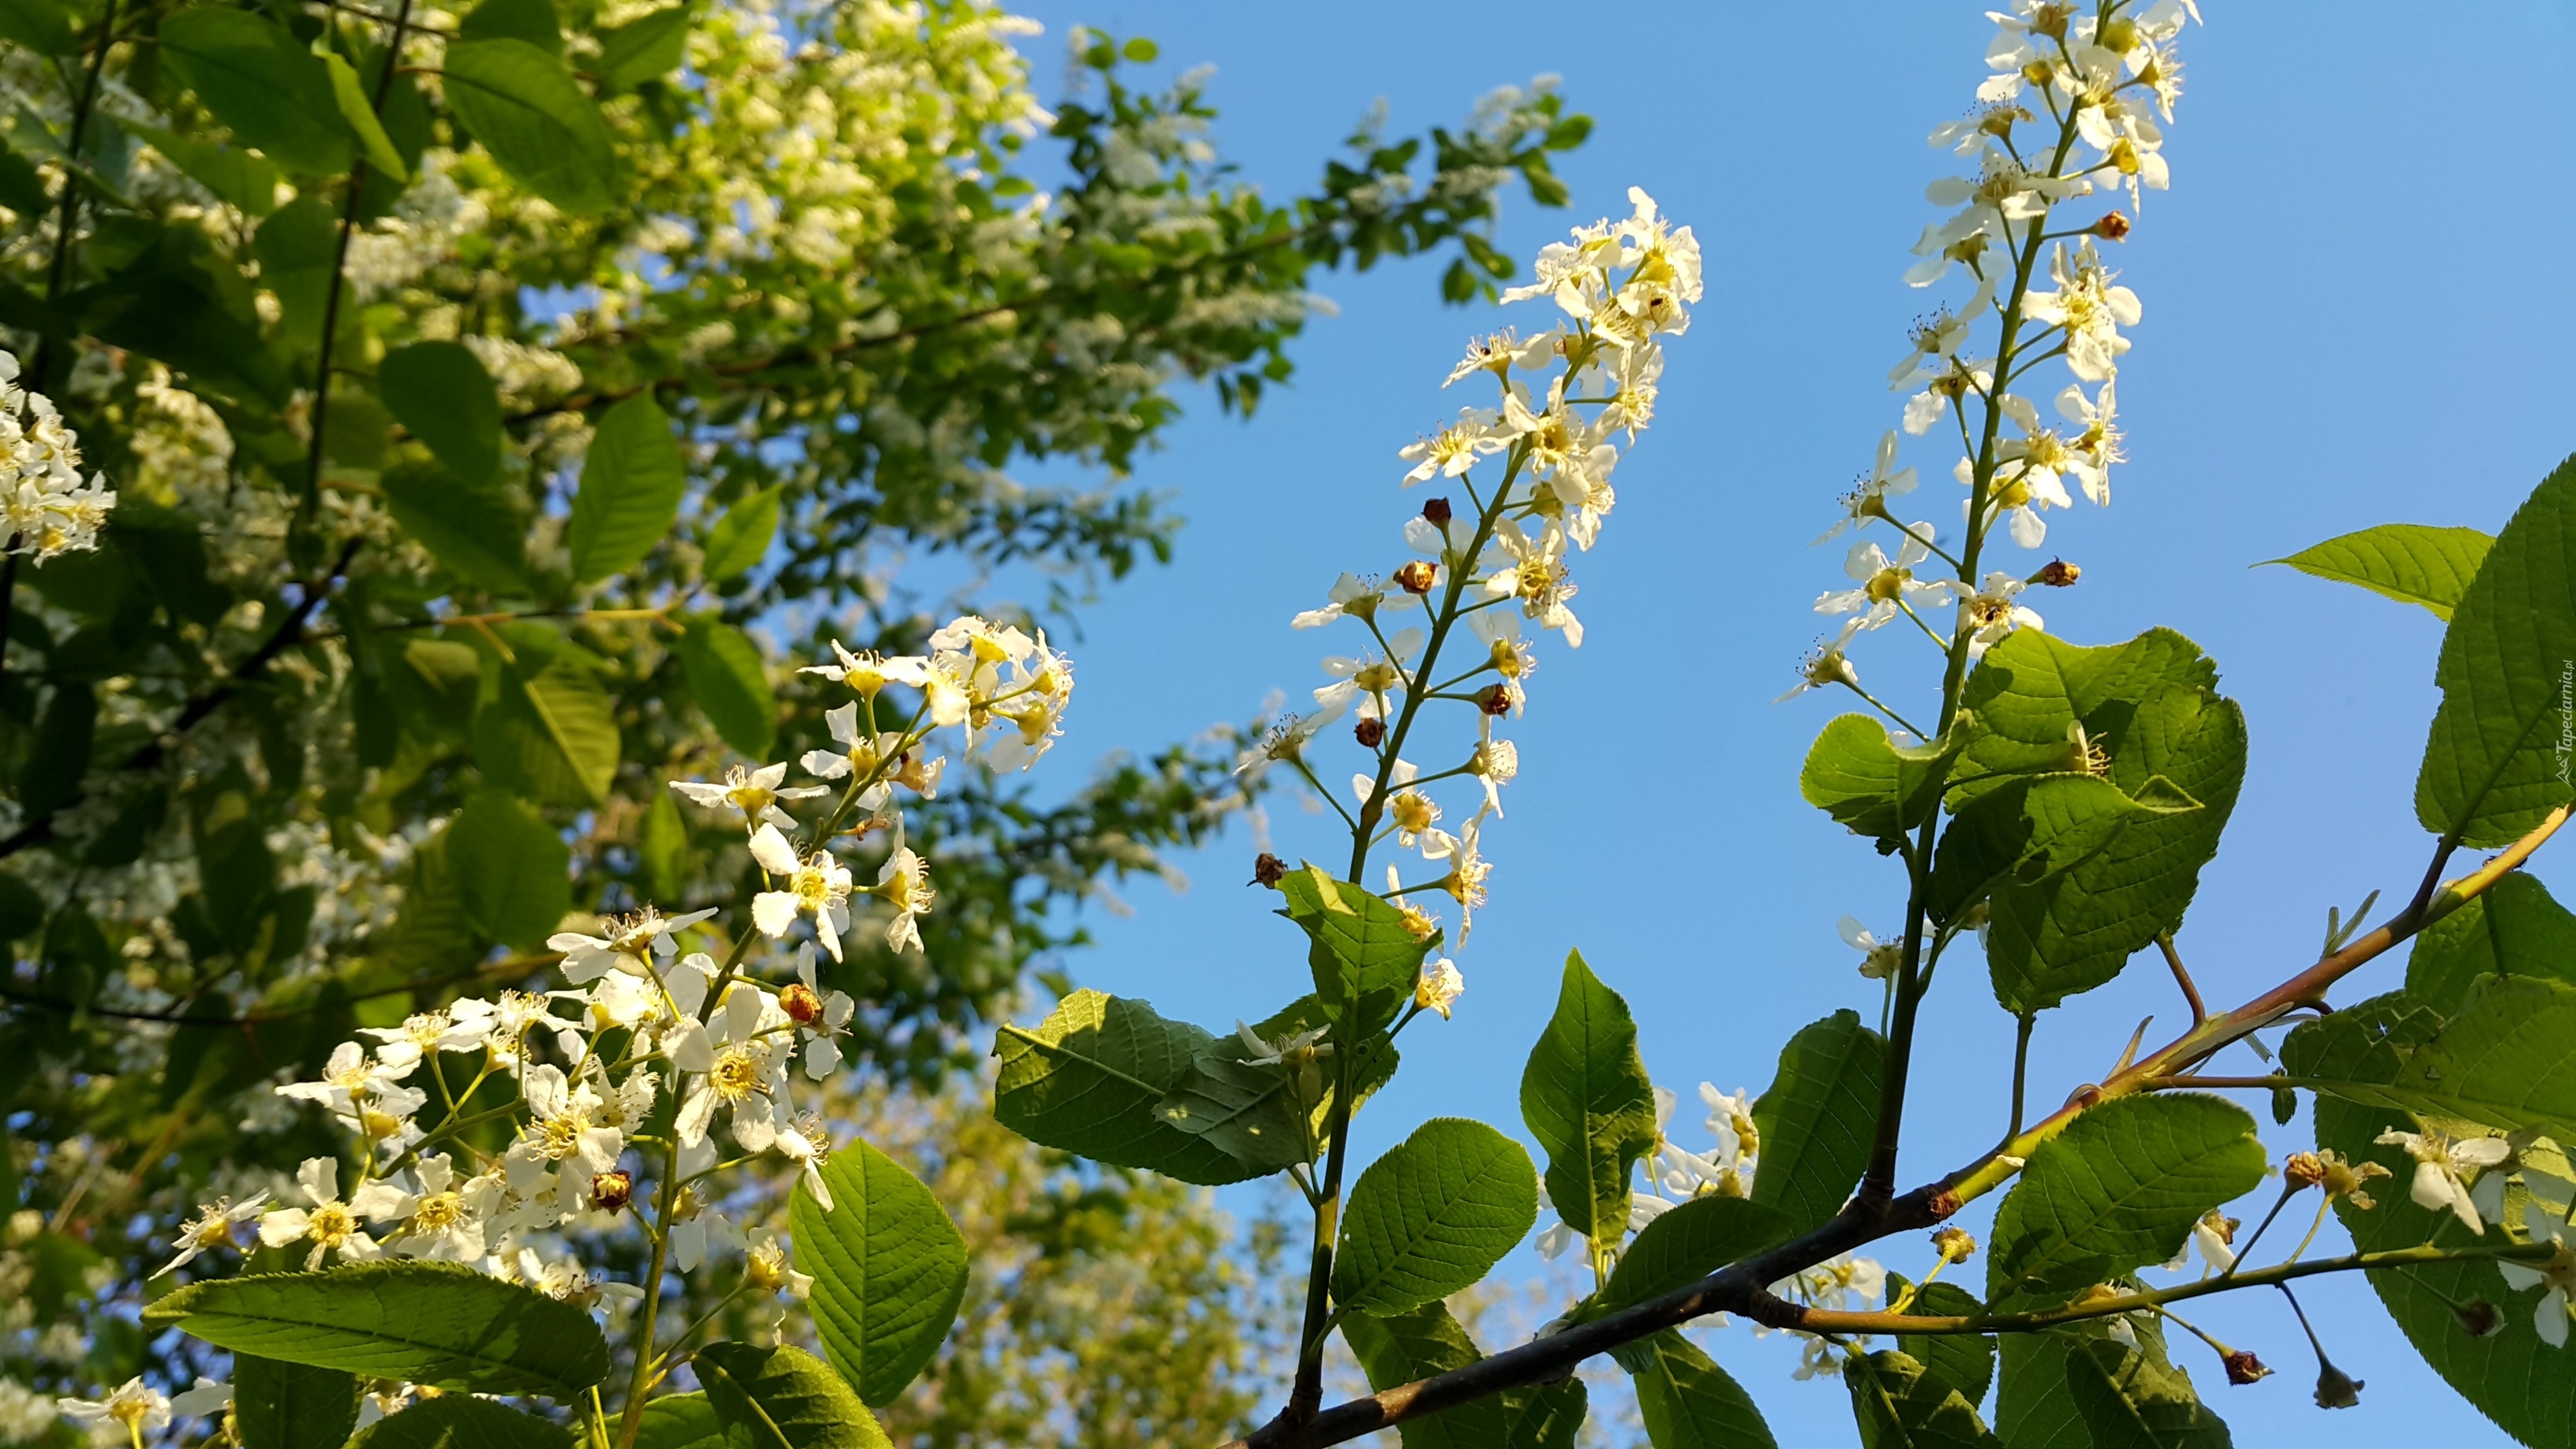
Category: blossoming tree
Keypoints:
(2049, 809)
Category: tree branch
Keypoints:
(1743, 1288)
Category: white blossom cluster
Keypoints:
(46, 510)
(2070, 111)
(1569, 398)
(578, 1070)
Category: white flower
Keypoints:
(1495, 763)
(1730, 1121)
(1990, 613)
(1885, 583)
(767, 1267)
(1537, 578)
(1868, 499)
(1465, 881)
(2090, 310)
(2441, 1164)
(634, 945)
(822, 1015)
(1370, 680)
(694, 1227)
(2556, 1277)
(737, 1068)
(2215, 1236)
(870, 673)
(447, 1217)
(141, 1408)
(819, 887)
(1439, 986)
(903, 882)
(1453, 450)
(1878, 959)
(1034, 700)
(569, 1124)
(1828, 664)
(332, 1224)
(755, 793)
(213, 1227)
(1411, 811)
(1353, 597)
(2092, 452)
(808, 1154)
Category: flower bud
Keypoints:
(1268, 870)
(2119, 35)
(611, 1191)
(1436, 510)
(1493, 699)
(2302, 1170)
(1417, 577)
(800, 1003)
(2244, 1368)
(2058, 574)
(2114, 226)
(1370, 732)
(1954, 1245)
(2336, 1389)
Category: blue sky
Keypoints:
(2356, 311)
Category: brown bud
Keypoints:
(2302, 1170)
(610, 1191)
(2336, 1389)
(1437, 510)
(2244, 1368)
(800, 1003)
(1493, 699)
(1417, 577)
(1268, 870)
(2058, 574)
(2478, 1318)
(1370, 732)
(2112, 227)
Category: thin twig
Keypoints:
(2182, 978)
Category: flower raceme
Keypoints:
(643, 1019)
(1534, 468)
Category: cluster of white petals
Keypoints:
(2072, 109)
(642, 1019)
(1567, 401)
(48, 509)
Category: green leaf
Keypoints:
(1858, 775)
(462, 1423)
(1247, 1111)
(1818, 1119)
(742, 537)
(1546, 1416)
(2516, 1378)
(1090, 1080)
(515, 872)
(2034, 1409)
(2514, 929)
(2137, 1398)
(2497, 762)
(550, 735)
(661, 847)
(1963, 1361)
(2031, 830)
(631, 483)
(2506, 1060)
(2077, 929)
(298, 248)
(474, 532)
(889, 1270)
(1361, 951)
(1900, 1404)
(2118, 1189)
(2408, 562)
(1687, 1401)
(41, 26)
(440, 1324)
(1432, 1215)
(1400, 1348)
(440, 392)
(1586, 1098)
(1687, 1244)
(258, 79)
(783, 1398)
(58, 759)
(680, 1421)
(239, 178)
(2030, 687)
(650, 45)
(523, 106)
(731, 684)
(291, 1405)
(360, 114)
(530, 20)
